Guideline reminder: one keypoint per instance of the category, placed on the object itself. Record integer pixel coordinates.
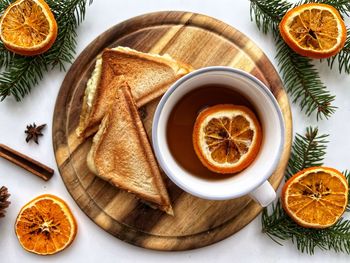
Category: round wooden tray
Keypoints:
(199, 41)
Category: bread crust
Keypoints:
(122, 155)
(149, 76)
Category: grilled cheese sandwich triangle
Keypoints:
(122, 155)
(148, 75)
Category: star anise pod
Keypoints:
(33, 132)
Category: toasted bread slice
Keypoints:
(121, 153)
(148, 75)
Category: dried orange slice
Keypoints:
(315, 197)
(28, 27)
(314, 30)
(226, 138)
(45, 225)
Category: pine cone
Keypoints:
(4, 195)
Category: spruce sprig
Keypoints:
(308, 150)
(69, 14)
(268, 14)
(5, 57)
(343, 57)
(3, 5)
(280, 227)
(303, 82)
(19, 74)
(300, 76)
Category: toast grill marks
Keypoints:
(121, 153)
(148, 75)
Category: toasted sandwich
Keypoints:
(148, 75)
(122, 155)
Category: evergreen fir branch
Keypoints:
(3, 5)
(19, 74)
(300, 76)
(63, 51)
(343, 57)
(69, 14)
(68, 8)
(280, 227)
(268, 14)
(5, 56)
(307, 150)
(303, 82)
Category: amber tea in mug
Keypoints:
(181, 121)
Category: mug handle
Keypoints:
(263, 194)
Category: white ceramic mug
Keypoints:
(253, 179)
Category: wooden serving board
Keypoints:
(199, 41)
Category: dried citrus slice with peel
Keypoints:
(28, 27)
(315, 197)
(45, 225)
(226, 138)
(314, 30)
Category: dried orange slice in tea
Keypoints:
(315, 197)
(45, 225)
(28, 27)
(226, 138)
(314, 30)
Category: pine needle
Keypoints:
(308, 150)
(18, 73)
(69, 14)
(279, 226)
(299, 74)
(343, 57)
(268, 14)
(21, 75)
(3, 5)
(5, 56)
(303, 82)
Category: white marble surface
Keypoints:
(94, 244)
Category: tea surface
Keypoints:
(182, 119)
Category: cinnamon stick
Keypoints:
(26, 162)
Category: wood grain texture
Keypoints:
(197, 40)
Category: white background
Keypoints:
(93, 243)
